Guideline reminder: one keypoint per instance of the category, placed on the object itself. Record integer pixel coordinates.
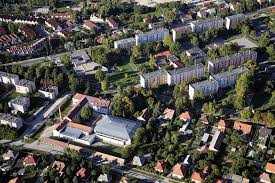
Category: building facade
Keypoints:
(12, 121)
(125, 43)
(206, 88)
(25, 86)
(185, 74)
(19, 103)
(151, 79)
(176, 32)
(233, 21)
(235, 60)
(152, 36)
(8, 78)
(228, 78)
(201, 26)
(49, 92)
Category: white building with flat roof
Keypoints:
(204, 25)
(206, 88)
(49, 92)
(25, 86)
(185, 74)
(152, 36)
(217, 65)
(12, 121)
(228, 78)
(125, 43)
(233, 21)
(8, 78)
(19, 103)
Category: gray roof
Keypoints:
(104, 178)
(25, 82)
(10, 118)
(157, 73)
(235, 16)
(185, 69)
(20, 100)
(158, 31)
(242, 54)
(71, 132)
(216, 140)
(204, 83)
(10, 154)
(6, 74)
(264, 132)
(234, 178)
(117, 127)
(237, 71)
(127, 40)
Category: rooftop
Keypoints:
(157, 73)
(20, 100)
(25, 82)
(203, 83)
(185, 69)
(233, 72)
(10, 118)
(117, 127)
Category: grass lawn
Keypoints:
(125, 76)
(147, 173)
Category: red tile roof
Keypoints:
(196, 177)
(222, 123)
(29, 160)
(84, 128)
(113, 23)
(179, 170)
(27, 31)
(270, 167)
(185, 116)
(163, 54)
(89, 24)
(15, 180)
(264, 177)
(160, 166)
(246, 128)
(83, 173)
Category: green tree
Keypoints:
(245, 30)
(195, 41)
(270, 50)
(264, 40)
(104, 85)
(246, 113)
(139, 136)
(99, 75)
(86, 113)
(168, 41)
(75, 180)
(65, 59)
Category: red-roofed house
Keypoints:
(16, 180)
(89, 25)
(178, 171)
(29, 161)
(201, 13)
(27, 31)
(270, 168)
(185, 116)
(93, 5)
(197, 177)
(83, 173)
(245, 128)
(112, 23)
(160, 167)
(223, 124)
(53, 24)
(265, 178)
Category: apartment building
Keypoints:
(19, 103)
(233, 21)
(8, 78)
(206, 88)
(125, 43)
(228, 78)
(150, 79)
(235, 60)
(49, 92)
(196, 54)
(21, 19)
(204, 25)
(25, 86)
(176, 32)
(152, 36)
(185, 74)
(12, 121)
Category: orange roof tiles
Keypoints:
(246, 128)
(196, 177)
(185, 116)
(29, 160)
(163, 54)
(15, 180)
(178, 170)
(160, 166)
(78, 96)
(270, 167)
(81, 127)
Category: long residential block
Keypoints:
(125, 43)
(19, 103)
(185, 74)
(228, 78)
(152, 36)
(233, 21)
(201, 26)
(235, 60)
(151, 79)
(206, 88)
(176, 32)
(25, 86)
